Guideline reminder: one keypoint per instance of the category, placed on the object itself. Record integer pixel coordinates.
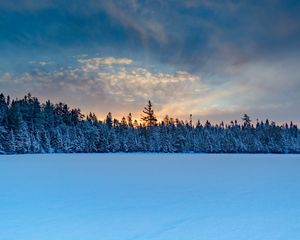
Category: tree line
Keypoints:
(29, 126)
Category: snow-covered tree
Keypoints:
(27, 126)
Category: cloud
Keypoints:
(41, 63)
(140, 85)
(205, 57)
(122, 81)
(95, 63)
(5, 77)
(113, 80)
(103, 84)
(190, 35)
(130, 15)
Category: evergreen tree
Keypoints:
(129, 120)
(27, 126)
(2, 139)
(149, 118)
(109, 120)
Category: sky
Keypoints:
(214, 59)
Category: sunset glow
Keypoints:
(211, 59)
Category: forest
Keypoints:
(29, 126)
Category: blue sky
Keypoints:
(214, 59)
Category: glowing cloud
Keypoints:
(94, 63)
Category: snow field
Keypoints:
(149, 196)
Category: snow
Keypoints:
(149, 196)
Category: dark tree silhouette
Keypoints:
(149, 118)
(27, 126)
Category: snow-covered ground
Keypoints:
(149, 196)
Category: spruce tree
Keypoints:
(149, 118)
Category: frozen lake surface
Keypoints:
(149, 196)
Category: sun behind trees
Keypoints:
(28, 126)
